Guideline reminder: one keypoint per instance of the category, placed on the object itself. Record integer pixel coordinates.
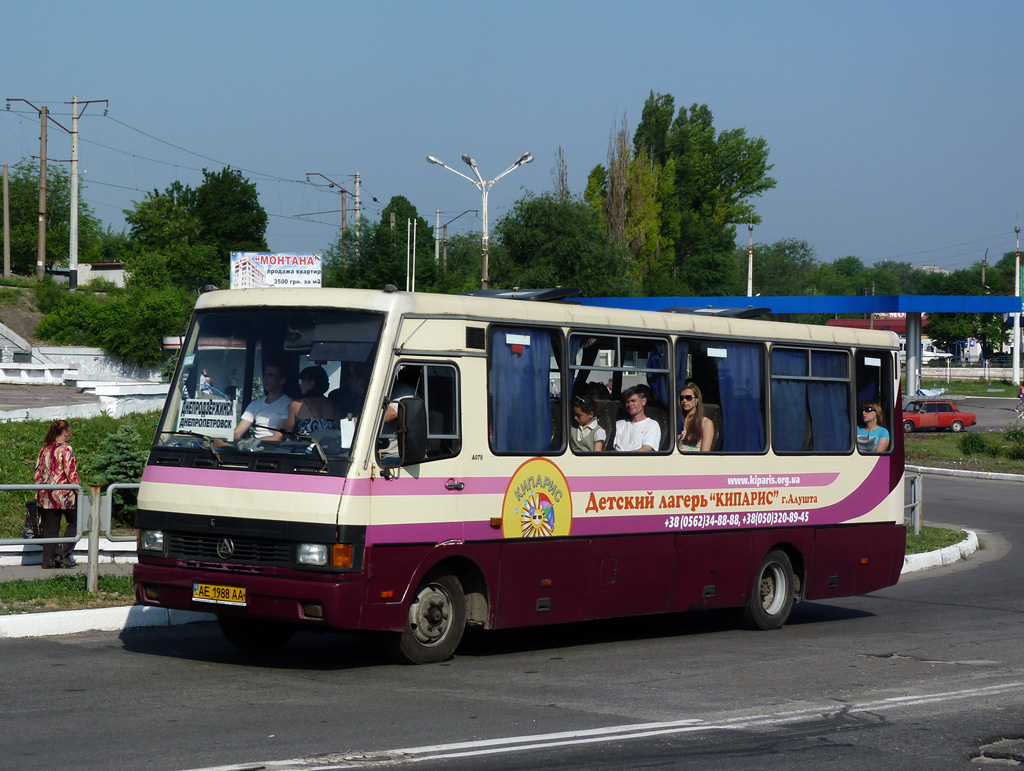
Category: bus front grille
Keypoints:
(205, 548)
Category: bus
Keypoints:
(460, 501)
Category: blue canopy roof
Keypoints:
(824, 304)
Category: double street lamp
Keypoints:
(484, 187)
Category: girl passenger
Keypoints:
(587, 435)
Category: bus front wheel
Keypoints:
(254, 635)
(436, 621)
(772, 596)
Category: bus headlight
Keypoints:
(312, 554)
(151, 540)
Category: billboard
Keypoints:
(251, 270)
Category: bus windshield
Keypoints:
(289, 382)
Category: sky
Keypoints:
(894, 128)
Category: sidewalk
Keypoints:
(112, 619)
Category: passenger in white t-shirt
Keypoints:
(640, 433)
(265, 416)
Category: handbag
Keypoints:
(33, 520)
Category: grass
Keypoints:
(993, 451)
(64, 592)
(932, 538)
(970, 387)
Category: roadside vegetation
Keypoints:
(108, 450)
(1000, 451)
(996, 388)
(63, 592)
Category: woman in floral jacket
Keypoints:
(57, 465)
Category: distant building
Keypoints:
(247, 274)
(934, 269)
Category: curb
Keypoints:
(115, 619)
(952, 472)
(915, 562)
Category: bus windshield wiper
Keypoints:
(206, 442)
(313, 441)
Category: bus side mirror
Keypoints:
(411, 434)
(412, 431)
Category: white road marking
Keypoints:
(341, 761)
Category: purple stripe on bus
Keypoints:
(407, 485)
(872, 491)
(244, 480)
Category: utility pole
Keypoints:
(437, 236)
(73, 131)
(7, 226)
(41, 251)
(344, 206)
(357, 204)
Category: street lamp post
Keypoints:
(1016, 316)
(750, 260)
(484, 187)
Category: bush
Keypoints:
(977, 444)
(121, 458)
(1015, 435)
(129, 325)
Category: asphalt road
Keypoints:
(928, 674)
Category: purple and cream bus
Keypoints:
(441, 487)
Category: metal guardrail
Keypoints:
(916, 505)
(97, 509)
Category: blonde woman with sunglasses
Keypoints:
(698, 431)
(872, 437)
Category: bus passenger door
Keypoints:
(428, 495)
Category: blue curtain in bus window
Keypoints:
(682, 357)
(789, 401)
(658, 381)
(519, 390)
(739, 385)
(829, 403)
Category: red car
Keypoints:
(935, 414)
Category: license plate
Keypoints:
(221, 595)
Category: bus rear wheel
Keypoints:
(771, 598)
(249, 634)
(436, 621)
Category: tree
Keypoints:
(383, 249)
(230, 216)
(547, 242)
(24, 214)
(786, 267)
(196, 230)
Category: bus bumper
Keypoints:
(310, 603)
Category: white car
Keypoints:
(930, 355)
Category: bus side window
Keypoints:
(874, 377)
(524, 389)
(437, 385)
(730, 376)
(810, 398)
